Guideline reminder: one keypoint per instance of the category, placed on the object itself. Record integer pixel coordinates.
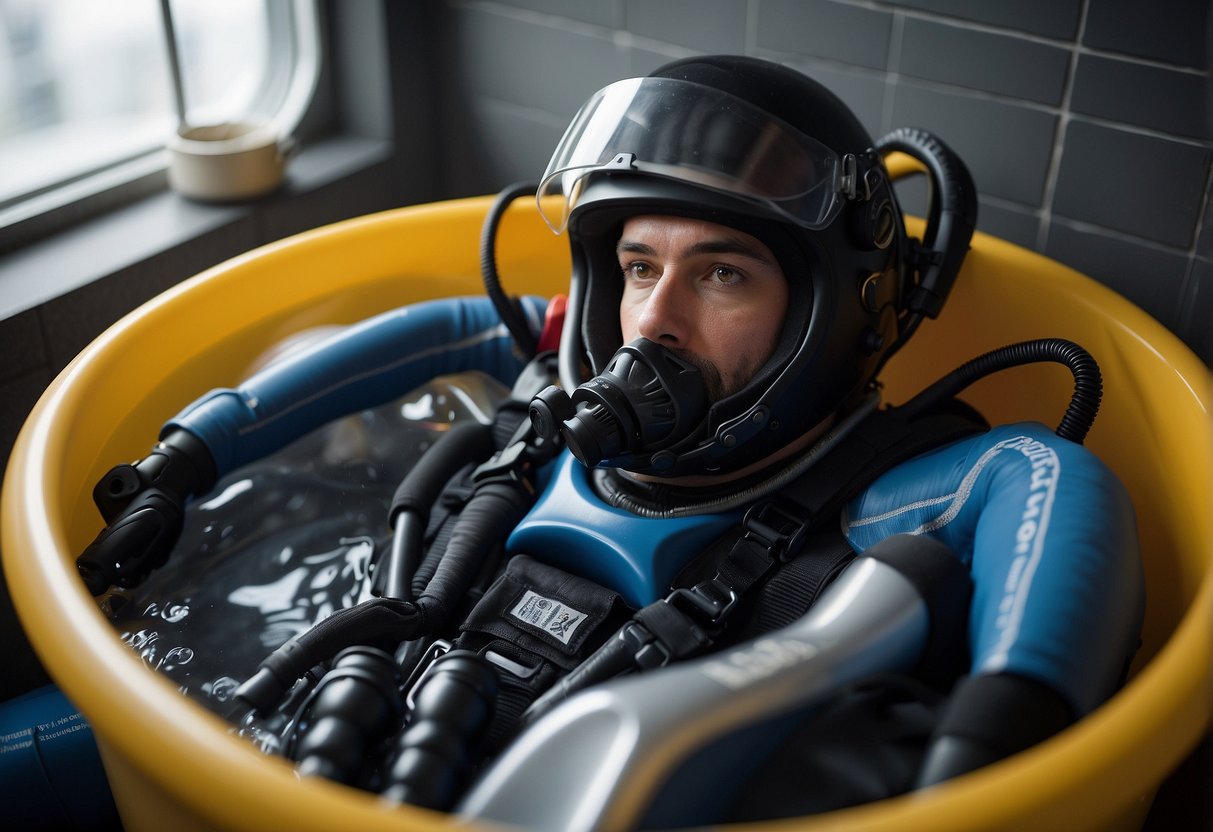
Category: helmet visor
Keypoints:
(695, 134)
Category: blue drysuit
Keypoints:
(1047, 530)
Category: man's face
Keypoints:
(714, 296)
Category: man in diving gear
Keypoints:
(741, 273)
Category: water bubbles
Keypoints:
(282, 543)
(146, 643)
(175, 658)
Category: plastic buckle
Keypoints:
(779, 529)
(710, 601)
(647, 652)
(505, 466)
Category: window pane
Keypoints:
(224, 50)
(86, 84)
(82, 84)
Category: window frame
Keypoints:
(295, 61)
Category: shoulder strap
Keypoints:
(769, 546)
(769, 541)
(878, 444)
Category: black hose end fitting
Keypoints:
(645, 400)
(356, 705)
(261, 690)
(453, 708)
(144, 508)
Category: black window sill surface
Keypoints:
(326, 180)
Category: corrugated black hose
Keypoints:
(1088, 383)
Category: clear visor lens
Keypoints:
(696, 134)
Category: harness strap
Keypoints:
(759, 564)
(792, 589)
(765, 549)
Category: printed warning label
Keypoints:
(556, 618)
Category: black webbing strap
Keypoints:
(777, 561)
(766, 548)
(792, 588)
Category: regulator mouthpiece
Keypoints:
(646, 400)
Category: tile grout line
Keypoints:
(1063, 123)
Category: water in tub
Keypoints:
(280, 544)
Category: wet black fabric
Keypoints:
(543, 622)
(865, 745)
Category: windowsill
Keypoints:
(51, 267)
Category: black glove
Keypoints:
(143, 505)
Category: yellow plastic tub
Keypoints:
(173, 765)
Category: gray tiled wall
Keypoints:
(1087, 123)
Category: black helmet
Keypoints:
(761, 148)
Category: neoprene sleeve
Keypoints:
(1050, 536)
(363, 365)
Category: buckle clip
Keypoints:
(646, 651)
(709, 601)
(778, 529)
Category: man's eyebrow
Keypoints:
(713, 245)
(634, 248)
(728, 245)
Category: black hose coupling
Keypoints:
(435, 755)
(646, 399)
(354, 708)
(143, 505)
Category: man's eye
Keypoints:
(637, 270)
(725, 275)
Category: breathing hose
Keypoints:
(464, 444)
(507, 307)
(1088, 383)
(501, 496)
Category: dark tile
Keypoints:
(346, 196)
(1204, 240)
(598, 12)
(1142, 185)
(709, 26)
(912, 195)
(107, 244)
(1197, 329)
(1015, 224)
(523, 141)
(18, 396)
(1018, 225)
(1174, 32)
(22, 348)
(546, 67)
(1002, 64)
(1147, 96)
(1151, 278)
(23, 672)
(1051, 18)
(823, 29)
(1006, 147)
